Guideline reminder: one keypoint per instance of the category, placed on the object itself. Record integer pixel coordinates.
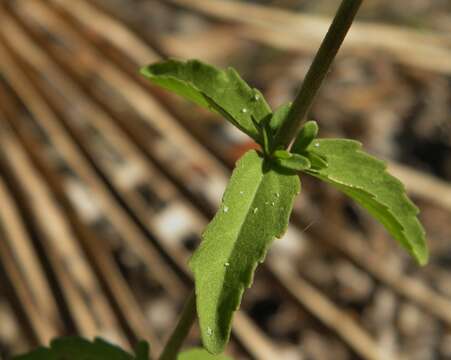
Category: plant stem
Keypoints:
(317, 72)
(181, 331)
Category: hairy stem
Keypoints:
(317, 72)
(181, 331)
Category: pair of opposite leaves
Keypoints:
(259, 197)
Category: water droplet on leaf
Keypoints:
(227, 264)
(244, 110)
(317, 144)
(209, 331)
(255, 210)
(256, 97)
(226, 209)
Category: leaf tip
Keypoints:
(142, 350)
(422, 255)
(144, 70)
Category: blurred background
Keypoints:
(107, 182)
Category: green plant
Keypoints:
(259, 197)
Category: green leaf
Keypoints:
(279, 116)
(282, 154)
(76, 348)
(291, 161)
(307, 134)
(142, 351)
(365, 179)
(265, 134)
(255, 209)
(200, 354)
(220, 90)
(317, 161)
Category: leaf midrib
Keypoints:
(248, 211)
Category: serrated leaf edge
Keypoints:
(422, 260)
